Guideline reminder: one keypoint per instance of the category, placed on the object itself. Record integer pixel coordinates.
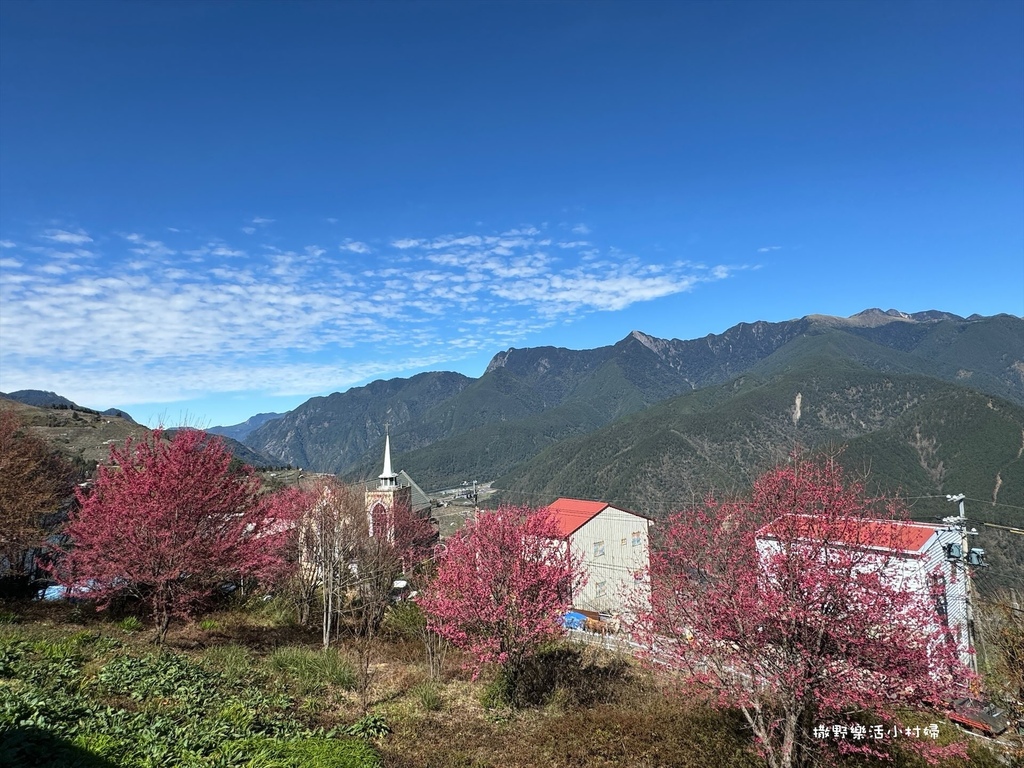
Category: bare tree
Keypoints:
(401, 542)
(34, 482)
(1001, 625)
(328, 537)
(354, 561)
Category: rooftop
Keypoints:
(874, 534)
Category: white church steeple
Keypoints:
(388, 478)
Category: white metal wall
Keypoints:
(914, 573)
(612, 585)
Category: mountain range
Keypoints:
(446, 427)
(923, 405)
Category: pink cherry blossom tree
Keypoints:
(811, 630)
(166, 522)
(503, 585)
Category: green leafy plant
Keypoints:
(165, 675)
(370, 726)
(130, 624)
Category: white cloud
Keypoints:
(331, 220)
(769, 248)
(7, 244)
(136, 325)
(581, 229)
(262, 221)
(249, 230)
(70, 238)
(354, 246)
(144, 247)
(223, 250)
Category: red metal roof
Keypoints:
(883, 534)
(572, 514)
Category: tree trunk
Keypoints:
(162, 616)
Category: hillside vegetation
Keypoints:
(447, 428)
(244, 687)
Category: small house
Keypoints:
(613, 545)
(919, 561)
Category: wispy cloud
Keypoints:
(144, 247)
(769, 248)
(259, 220)
(70, 238)
(138, 319)
(581, 229)
(8, 244)
(354, 246)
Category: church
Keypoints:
(393, 490)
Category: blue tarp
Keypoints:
(573, 620)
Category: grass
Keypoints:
(312, 669)
(269, 697)
(98, 697)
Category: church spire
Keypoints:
(387, 478)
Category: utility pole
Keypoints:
(965, 556)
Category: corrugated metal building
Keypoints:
(917, 554)
(613, 545)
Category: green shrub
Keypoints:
(275, 612)
(559, 668)
(497, 694)
(405, 620)
(9, 617)
(208, 625)
(182, 713)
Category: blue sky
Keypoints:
(214, 209)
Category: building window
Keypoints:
(638, 539)
(938, 590)
(599, 549)
(601, 588)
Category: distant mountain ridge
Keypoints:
(241, 431)
(84, 436)
(42, 399)
(446, 427)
